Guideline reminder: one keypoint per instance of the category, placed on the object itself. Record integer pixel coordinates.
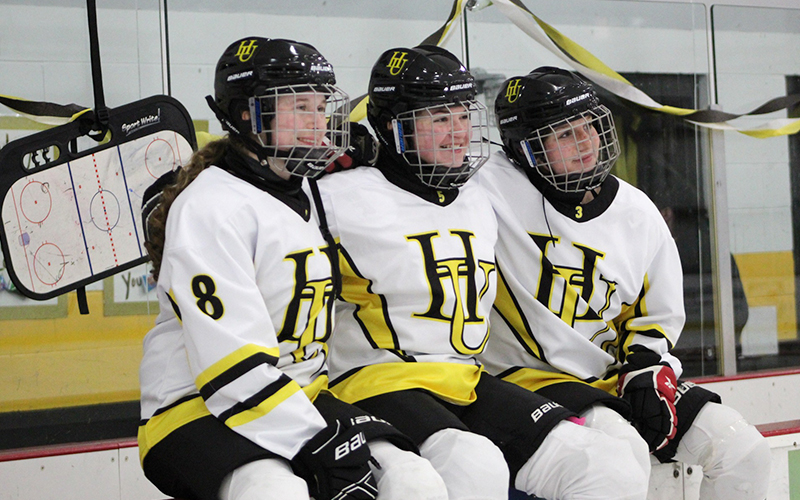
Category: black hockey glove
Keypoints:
(335, 464)
(651, 394)
(152, 198)
(363, 150)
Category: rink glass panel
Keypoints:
(60, 370)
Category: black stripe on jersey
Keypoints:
(344, 376)
(236, 371)
(515, 369)
(257, 398)
(169, 407)
(624, 333)
(175, 307)
(528, 330)
(506, 373)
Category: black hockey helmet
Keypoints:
(407, 84)
(530, 109)
(252, 73)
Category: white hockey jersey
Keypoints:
(418, 285)
(244, 292)
(579, 287)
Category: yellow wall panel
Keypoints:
(768, 280)
(71, 361)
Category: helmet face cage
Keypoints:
(291, 125)
(444, 144)
(574, 154)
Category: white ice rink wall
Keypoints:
(114, 473)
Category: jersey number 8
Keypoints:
(203, 288)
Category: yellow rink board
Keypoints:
(73, 360)
(79, 360)
(768, 279)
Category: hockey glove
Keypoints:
(152, 198)
(651, 394)
(335, 464)
(363, 150)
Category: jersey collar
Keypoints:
(595, 208)
(289, 191)
(402, 177)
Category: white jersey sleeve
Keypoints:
(250, 285)
(581, 289)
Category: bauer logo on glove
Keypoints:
(335, 464)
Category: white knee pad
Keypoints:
(268, 479)
(472, 467)
(734, 456)
(575, 462)
(404, 475)
(605, 419)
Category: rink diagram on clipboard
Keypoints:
(82, 218)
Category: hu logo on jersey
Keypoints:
(309, 305)
(397, 62)
(512, 91)
(457, 276)
(571, 297)
(246, 50)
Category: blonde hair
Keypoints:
(202, 159)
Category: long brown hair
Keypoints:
(157, 226)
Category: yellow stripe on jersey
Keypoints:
(313, 389)
(628, 314)
(533, 380)
(161, 425)
(509, 309)
(232, 359)
(266, 406)
(371, 312)
(452, 382)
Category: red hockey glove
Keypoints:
(335, 464)
(651, 394)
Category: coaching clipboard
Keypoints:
(70, 219)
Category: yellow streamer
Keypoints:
(602, 75)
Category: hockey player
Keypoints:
(234, 377)
(589, 298)
(416, 241)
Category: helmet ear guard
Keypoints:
(399, 136)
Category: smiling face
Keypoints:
(442, 135)
(572, 147)
(299, 121)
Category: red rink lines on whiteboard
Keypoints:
(178, 149)
(105, 209)
(21, 236)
